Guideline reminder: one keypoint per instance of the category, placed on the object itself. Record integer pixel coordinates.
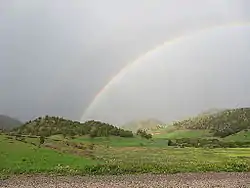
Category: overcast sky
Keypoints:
(55, 56)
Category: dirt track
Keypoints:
(205, 180)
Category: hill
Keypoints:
(8, 123)
(48, 126)
(217, 124)
(148, 124)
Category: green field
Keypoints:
(173, 133)
(242, 135)
(184, 133)
(18, 157)
(114, 156)
(123, 142)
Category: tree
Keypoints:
(64, 134)
(148, 136)
(139, 132)
(93, 132)
(42, 140)
(124, 133)
(144, 134)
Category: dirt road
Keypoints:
(201, 180)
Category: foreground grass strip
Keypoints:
(20, 158)
(17, 157)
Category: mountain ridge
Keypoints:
(8, 123)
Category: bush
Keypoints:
(171, 143)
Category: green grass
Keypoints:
(18, 157)
(123, 142)
(183, 133)
(240, 136)
(173, 133)
(124, 155)
(56, 137)
(172, 160)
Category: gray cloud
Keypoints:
(209, 69)
(55, 56)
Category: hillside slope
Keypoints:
(8, 123)
(221, 124)
(239, 136)
(143, 124)
(48, 126)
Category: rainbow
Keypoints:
(136, 63)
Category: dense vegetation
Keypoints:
(47, 126)
(7, 123)
(221, 124)
(208, 143)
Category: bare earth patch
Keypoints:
(188, 180)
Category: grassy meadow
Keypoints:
(184, 133)
(242, 135)
(19, 157)
(209, 142)
(113, 155)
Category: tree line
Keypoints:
(207, 143)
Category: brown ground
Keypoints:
(201, 180)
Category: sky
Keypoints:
(56, 56)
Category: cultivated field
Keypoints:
(113, 155)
